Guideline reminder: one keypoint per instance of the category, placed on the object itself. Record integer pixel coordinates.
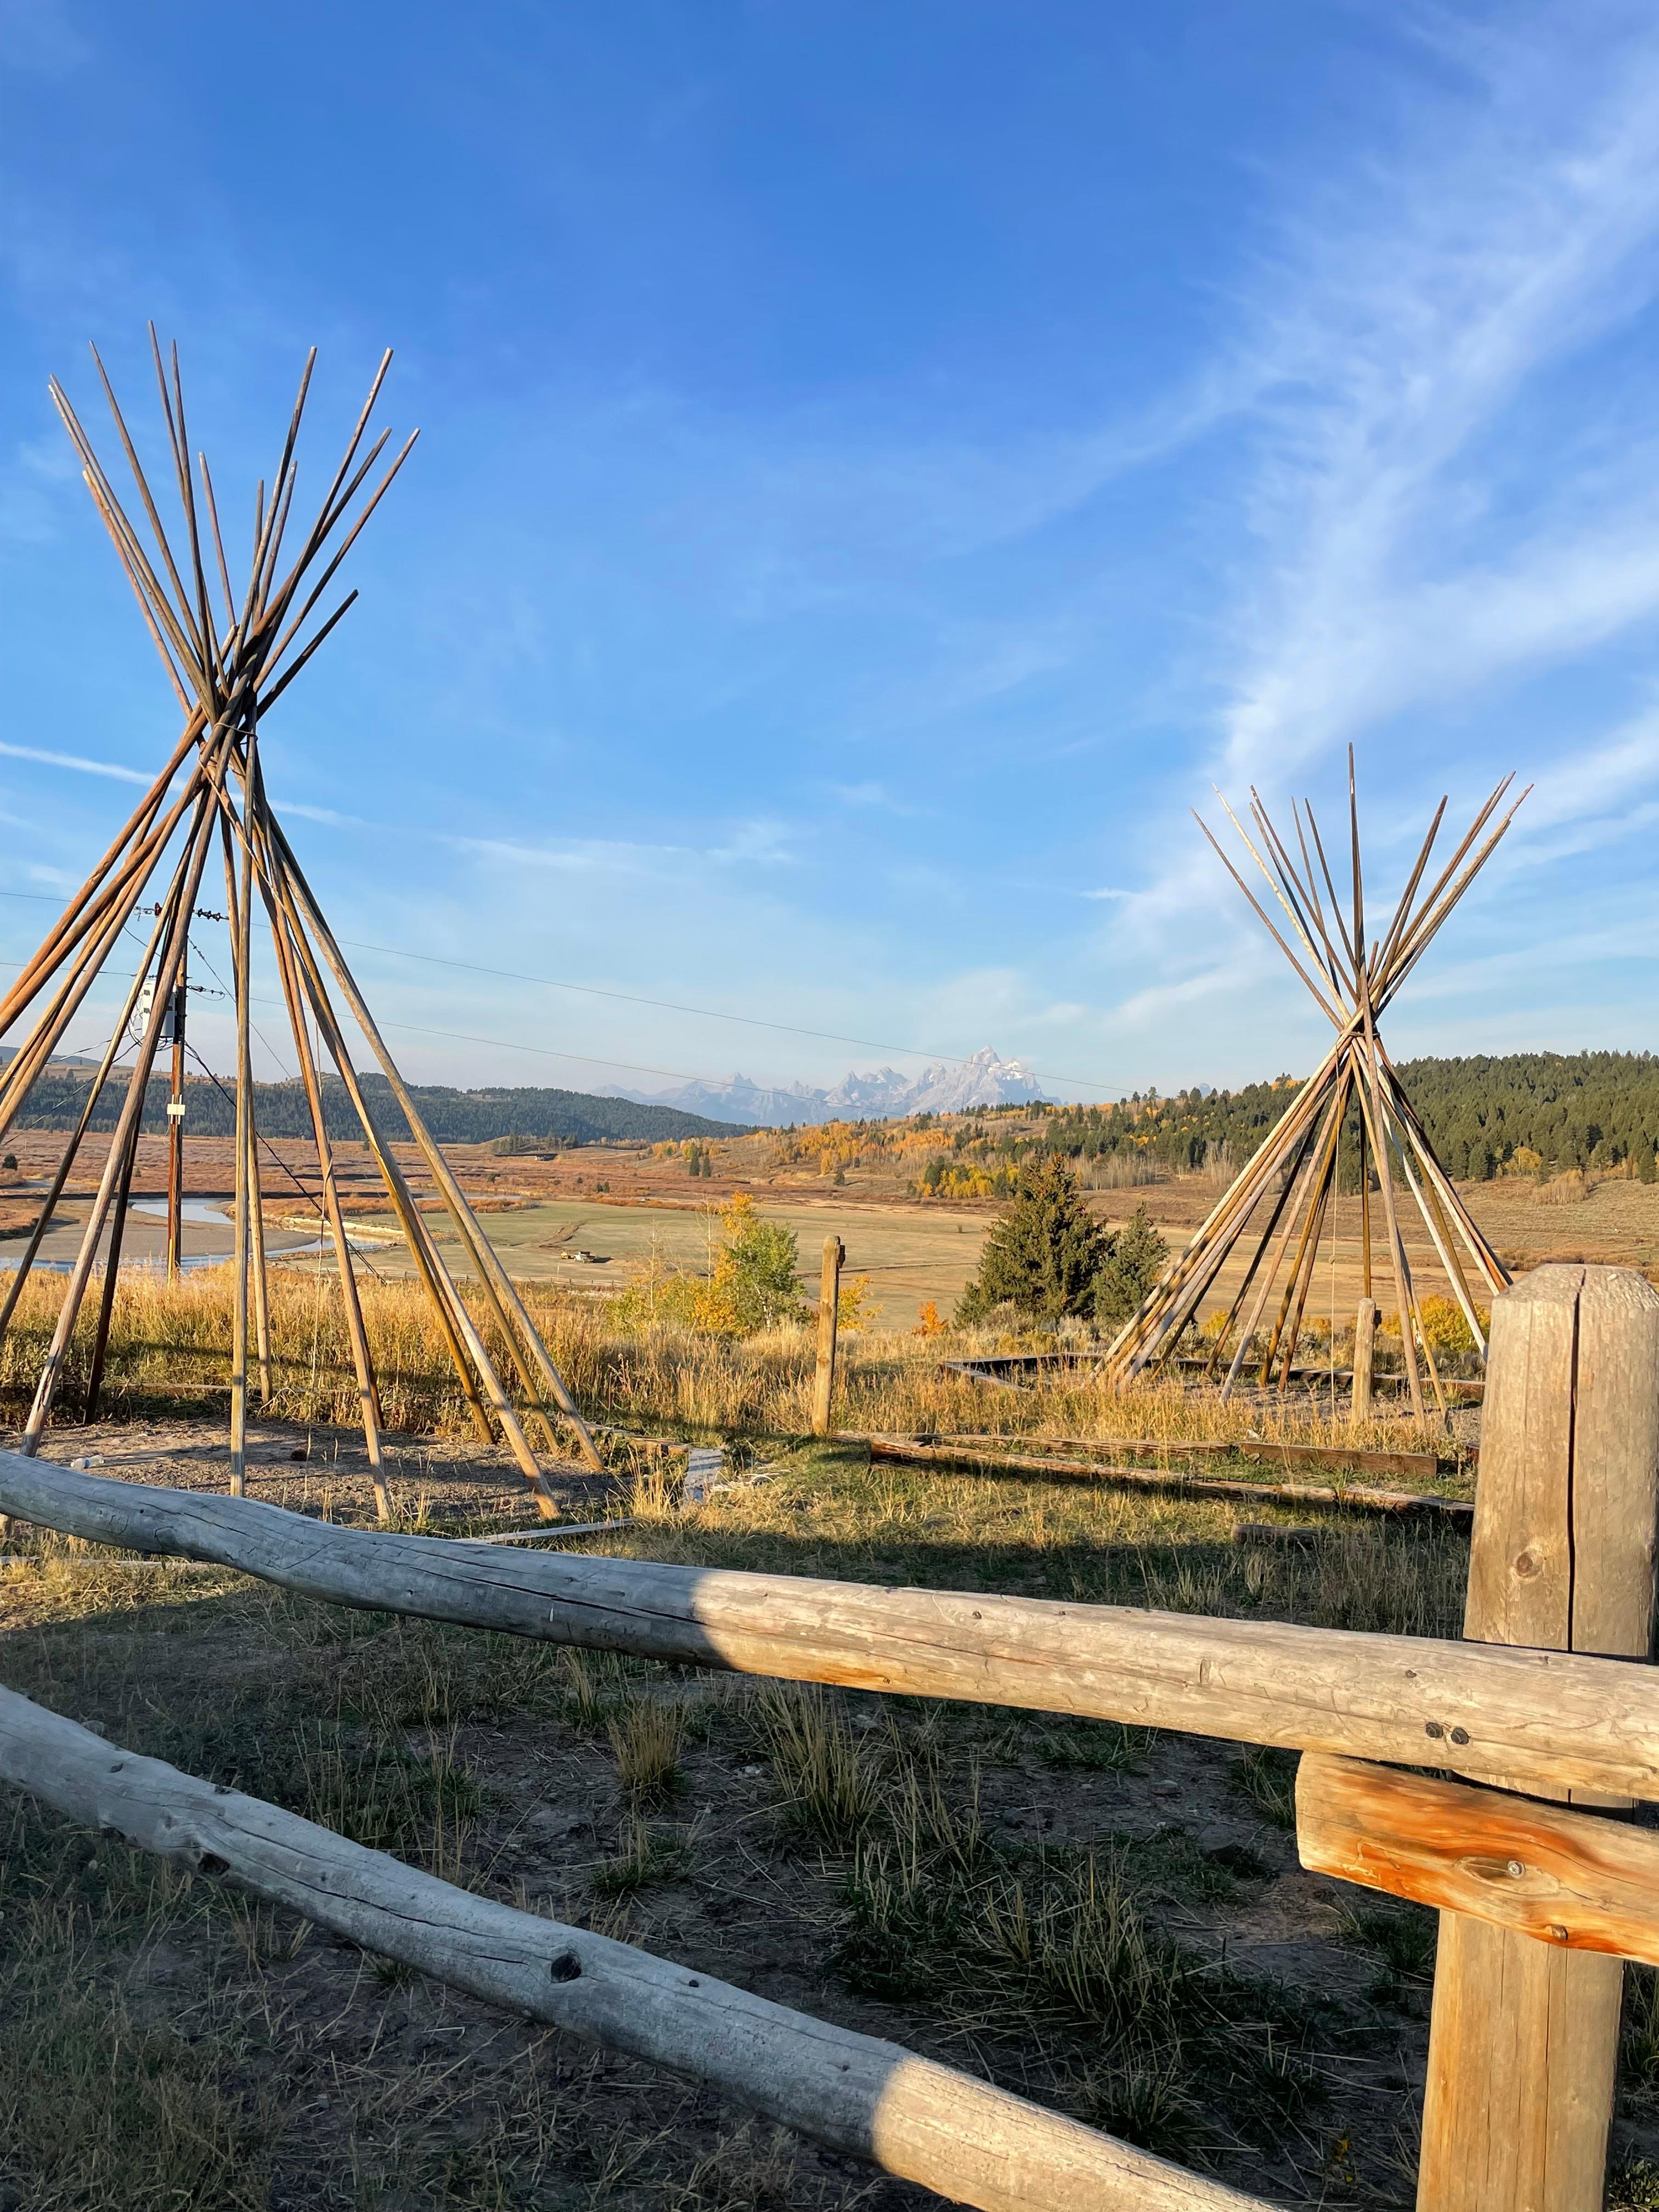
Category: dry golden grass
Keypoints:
(647, 1737)
(170, 1350)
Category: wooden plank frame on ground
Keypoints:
(1032, 1465)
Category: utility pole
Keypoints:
(828, 1311)
(176, 1125)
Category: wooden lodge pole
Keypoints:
(261, 1277)
(823, 1383)
(1584, 1724)
(112, 1276)
(969, 2140)
(241, 921)
(1364, 1360)
(1523, 2039)
(132, 1114)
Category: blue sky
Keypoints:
(879, 465)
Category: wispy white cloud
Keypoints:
(75, 761)
(329, 817)
(1452, 486)
(1408, 544)
(1597, 778)
(874, 797)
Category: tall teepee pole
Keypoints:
(88, 1108)
(466, 1346)
(257, 1249)
(452, 1308)
(357, 1334)
(131, 1111)
(1371, 1093)
(85, 963)
(111, 1275)
(1302, 1200)
(479, 1248)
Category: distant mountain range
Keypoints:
(571, 1117)
(984, 1080)
(454, 1117)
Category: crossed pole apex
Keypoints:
(1351, 1115)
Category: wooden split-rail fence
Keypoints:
(1537, 1733)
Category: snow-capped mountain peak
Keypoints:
(983, 1080)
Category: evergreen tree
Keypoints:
(1133, 1266)
(1044, 1253)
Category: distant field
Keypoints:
(620, 1203)
(911, 1252)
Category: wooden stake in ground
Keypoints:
(823, 1383)
(1284, 1203)
(1364, 1354)
(1523, 2040)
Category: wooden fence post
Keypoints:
(1523, 2040)
(1364, 1360)
(824, 1385)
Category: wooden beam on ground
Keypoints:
(1548, 1718)
(1523, 2039)
(1338, 1457)
(971, 2142)
(1578, 1881)
(1168, 1480)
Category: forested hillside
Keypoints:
(1484, 1114)
(454, 1117)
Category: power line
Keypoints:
(631, 999)
(673, 1007)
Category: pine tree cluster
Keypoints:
(1048, 1257)
(1589, 1109)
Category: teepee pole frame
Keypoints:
(227, 663)
(1295, 1173)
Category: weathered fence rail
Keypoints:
(1553, 1717)
(1548, 1694)
(966, 2139)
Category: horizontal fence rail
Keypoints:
(969, 2140)
(1554, 1719)
(1579, 1881)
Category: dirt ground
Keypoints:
(436, 1483)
